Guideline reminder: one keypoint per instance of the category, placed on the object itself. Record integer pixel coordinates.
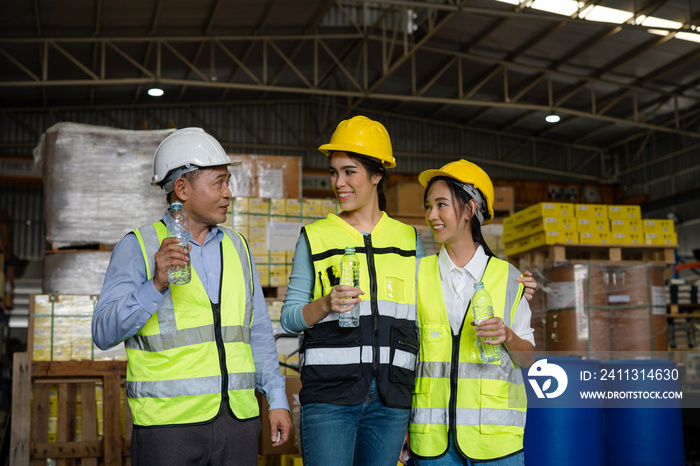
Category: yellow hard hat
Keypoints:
(468, 173)
(362, 136)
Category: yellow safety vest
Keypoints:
(482, 405)
(191, 354)
(337, 363)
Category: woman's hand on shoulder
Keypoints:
(530, 285)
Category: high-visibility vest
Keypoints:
(482, 405)
(192, 355)
(338, 363)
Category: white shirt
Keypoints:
(458, 289)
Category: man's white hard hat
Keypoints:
(187, 148)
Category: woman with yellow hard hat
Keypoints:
(466, 410)
(356, 381)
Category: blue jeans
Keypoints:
(365, 434)
(453, 458)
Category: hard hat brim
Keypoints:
(357, 149)
(425, 177)
(155, 181)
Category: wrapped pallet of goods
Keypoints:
(97, 183)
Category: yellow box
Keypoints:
(513, 233)
(518, 246)
(599, 211)
(274, 308)
(660, 239)
(259, 205)
(550, 224)
(618, 212)
(658, 226)
(278, 206)
(263, 274)
(627, 238)
(329, 207)
(240, 204)
(278, 275)
(626, 226)
(278, 256)
(290, 257)
(312, 208)
(552, 237)
(592, 224)
(257, 221)
(595, 237)
(516, 219)
(293, 207)
(548, 209)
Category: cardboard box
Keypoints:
(312, 208)
(293, 385)
(240, 204)
(658, 226)
(513, 220)
(595, 237)
(266, 176)
(599, 211)
(548, 209)
(405, 199)
(518, 246)
(627, 238)
(294, 207)
(660, 239)
(512, 233)
(592, 224)
(258, 205)
(278, 206)
(330, 206)
(552, 237)
(503, 198)
(626, 226)
(550, 224)
(617, 212)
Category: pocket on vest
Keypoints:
(497, 414)
(402, 365)
(332, 360)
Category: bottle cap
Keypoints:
(479, 285)
(349, 249)
(176, 205)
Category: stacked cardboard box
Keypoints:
(539, 224)
(62, 329)
(271, 227)
(551, 223)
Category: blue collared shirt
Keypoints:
(128, 299)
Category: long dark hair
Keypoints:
(373, 167)
(462, 199)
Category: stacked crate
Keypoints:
(592, 224)
(539, 225)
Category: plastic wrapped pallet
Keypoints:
(605, 306)
(62, 329)
(81, 272)
(97, 182)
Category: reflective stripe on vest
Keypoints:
(174, 366)
(490, 398)
(357, 355)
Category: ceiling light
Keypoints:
(155, 92)
(552, 118)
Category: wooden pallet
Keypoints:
(574, 251)
(29, 429)
(57, 248)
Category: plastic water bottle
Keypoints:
(178, 227)
(483, 309)
(350, 275)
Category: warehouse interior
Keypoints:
(593, 102)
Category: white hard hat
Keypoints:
(187, 147)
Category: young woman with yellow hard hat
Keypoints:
(356, 382)
(465, 410)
